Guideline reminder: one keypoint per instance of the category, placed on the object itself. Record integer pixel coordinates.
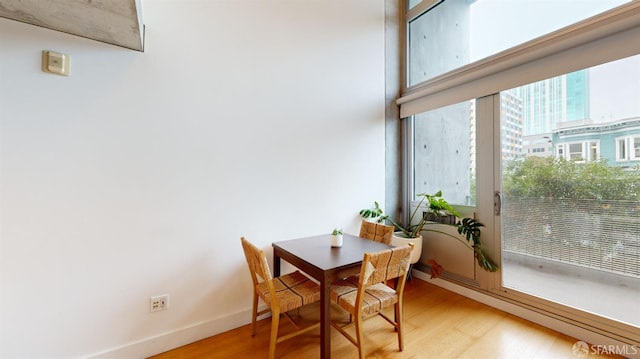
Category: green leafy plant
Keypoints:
(374, 212)
(437, 206)
(336, 231)
(537, 177)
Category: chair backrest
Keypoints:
(384, 265)
(258, 265)
(376, 232)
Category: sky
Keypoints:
(497, 25)
(615, 90)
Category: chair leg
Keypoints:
(398, 309)
(254, 315)
(359, 337)
(275, 321)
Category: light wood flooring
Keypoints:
(438, 324)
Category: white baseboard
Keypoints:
(171, 340)
(535, 317)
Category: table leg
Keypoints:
(325, 318)
(276, 265)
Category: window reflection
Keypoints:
(455, 33)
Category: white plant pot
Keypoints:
(336, 240)
(399, 240)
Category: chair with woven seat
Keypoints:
(378, 232)
(280, 294)
(370, 295)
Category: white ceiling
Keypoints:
(117, 22)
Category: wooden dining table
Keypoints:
(315, 256)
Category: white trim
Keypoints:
(630, 149)
(625, 140)
(607, 37)
(174, 339)
(164, 342)
(585, 149)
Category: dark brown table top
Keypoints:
(316, 251)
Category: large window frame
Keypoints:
(603, 38)
(607, 37)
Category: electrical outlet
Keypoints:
(158, 303)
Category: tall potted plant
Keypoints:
(437, 207)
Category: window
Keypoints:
(535, 88)
(575, 152)
(454, 33)
(444, 153)
(574, 216)
(622, 149)
(594, 151)
(628, 148)
(579, 151)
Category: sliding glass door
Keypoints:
(569, 179)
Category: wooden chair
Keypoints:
(366, 298)
(376, 231)
(281, 294)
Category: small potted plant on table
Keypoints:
(336, 238)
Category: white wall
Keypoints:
(137, 174)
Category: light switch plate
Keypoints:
(55, 63)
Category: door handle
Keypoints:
(497, 203)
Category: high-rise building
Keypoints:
(558, 99)
(510, 125)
